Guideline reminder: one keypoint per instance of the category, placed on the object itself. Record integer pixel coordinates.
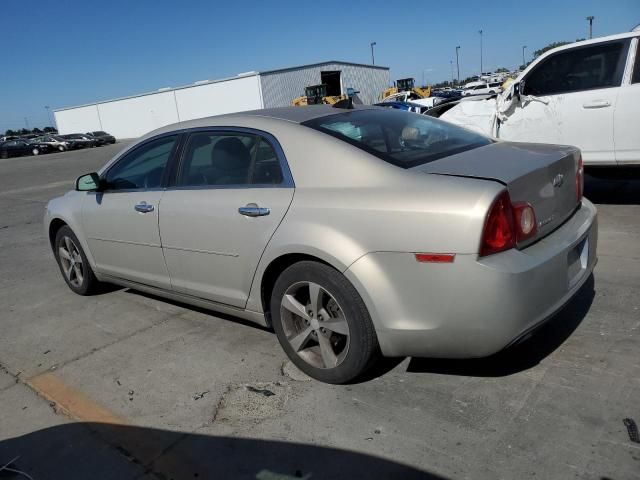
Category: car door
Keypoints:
(626, 137)
(232, 190)
(121, 220)
(569, 98)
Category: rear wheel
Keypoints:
(35, 151)
(322, 323)
(73, 263)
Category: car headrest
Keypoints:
(410, 133)
(199, 141)
(230, 154)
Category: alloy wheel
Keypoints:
(71, 261)
(314, 325)
(35, 151)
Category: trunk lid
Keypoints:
(539, 174)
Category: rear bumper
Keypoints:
(474, 307)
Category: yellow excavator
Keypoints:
(407, 85)
(317, 95)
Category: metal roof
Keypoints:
(207, 82)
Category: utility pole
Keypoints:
(480, 32)
(373, 60)
(523, 60)
(590, 20)
(458, 62)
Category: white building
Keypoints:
(134, 116)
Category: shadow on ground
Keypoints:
(522, 356)
(613, 186)
(104, 451)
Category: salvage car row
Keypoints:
(18, 147)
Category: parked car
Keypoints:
(18, 148)
(54, 142)
(481, 88)
(78, 140)
(406, 236)
(577, 94)
(406, 106)
(103, 136)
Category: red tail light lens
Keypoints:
(579, 178)
(499, 234)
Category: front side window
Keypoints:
(401, 138)
(577, 69)
(223, 159)
(143, 167)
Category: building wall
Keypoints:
(133, 117)
(78, 120)
(279, 88)
(217, 98)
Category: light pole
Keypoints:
(49, 115)
(480, 32)
(451, 61)
(590, 20)
(523, 60)
(458, 62)
(373, 60)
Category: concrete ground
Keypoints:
(124, 385)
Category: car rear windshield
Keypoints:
(397, 137)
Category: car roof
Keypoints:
(296, 114)
(288, 114)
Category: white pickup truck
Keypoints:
(585, 94)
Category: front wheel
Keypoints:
(61, 148)
(322, 323)
(73, 263)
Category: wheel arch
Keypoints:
(273, 271)
(54, 225)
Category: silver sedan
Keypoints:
(352, 233)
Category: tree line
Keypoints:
(26, 131)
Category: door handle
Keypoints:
(252, 210)
(143, 207)
(597, 104)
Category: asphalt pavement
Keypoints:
(126, 385)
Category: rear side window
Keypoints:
(401, 138)
(223, 159)
(578, 69)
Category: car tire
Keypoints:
(331, 339)
(35, 152)
(73, 263)
(61, 148)
(4, 154)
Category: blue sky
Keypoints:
(71, 52)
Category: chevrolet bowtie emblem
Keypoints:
(557, 180)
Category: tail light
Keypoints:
(579, 178)
(499, 234)
(507, 224)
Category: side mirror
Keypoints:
(88, 183)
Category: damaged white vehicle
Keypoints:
(585, 94)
